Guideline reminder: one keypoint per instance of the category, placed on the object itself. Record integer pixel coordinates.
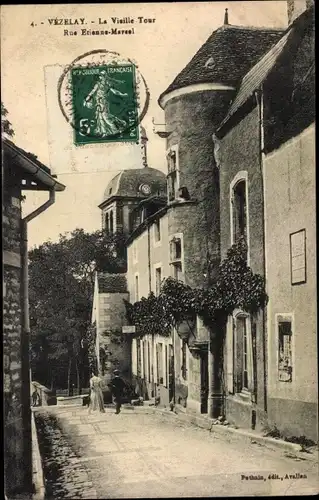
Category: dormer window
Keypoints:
(173, 173)
(210, 63)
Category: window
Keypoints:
(145, 359)
(134, 250)
(239, 211)
(107, 223)
(111, 222)
(284, 348)
(243, 355)
(176, 258)
(173, 173)
(136, 288)
(159, 363)
(184, 360)
(158, 280)
(298, 257)
(138, 357)
(166, 366)
(157, 230)
(149, 361)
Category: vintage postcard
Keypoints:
(159, 250)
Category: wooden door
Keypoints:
(204, 381)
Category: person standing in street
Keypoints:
(117, 388)
(35, 398)
(96, 394)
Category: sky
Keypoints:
(34, 52)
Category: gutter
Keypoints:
(260, 103)
(32, 167)
(25, 337)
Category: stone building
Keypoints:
(289, 168)
(130, 198)
(113, 350)
(21, 172)
(267, 179)
(195, 104)
(239, 130)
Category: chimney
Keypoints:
(226, 17)
(296, 7)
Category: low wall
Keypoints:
(47, 397)
(70, 400)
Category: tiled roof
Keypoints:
(226, 56)
(31, 156)
(253, 79)
(260, 71)
(111, 283)
(127, 183)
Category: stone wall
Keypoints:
(17, 421)
(192, 119)
(240, 153)
(290, 203)
(114, 346)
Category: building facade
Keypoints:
(290, 234)
(267, 179)
(239, 130)
(113, 350)
(124, 209)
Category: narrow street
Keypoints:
(142, 455)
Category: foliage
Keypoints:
(61, 283)
(148, 315)
(89, 343)
(236, 287)
(6, 127)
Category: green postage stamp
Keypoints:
(104, 104)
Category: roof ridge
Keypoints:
(251, 28)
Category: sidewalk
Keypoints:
(253, 436)
(38, 480)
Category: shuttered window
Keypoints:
(284, 349)
(230, 355)
(298, 257)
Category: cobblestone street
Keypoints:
(138, 454)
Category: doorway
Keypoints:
(204, 382)
(171, 375)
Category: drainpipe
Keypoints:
(259, 100)
(25, 340)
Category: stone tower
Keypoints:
(195, 104)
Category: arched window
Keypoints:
(107, 223)
(111, 222)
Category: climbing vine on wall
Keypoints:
(148, 316)
(236, 287)
(90, 341)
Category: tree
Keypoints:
(61, 281)
(6, 127)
